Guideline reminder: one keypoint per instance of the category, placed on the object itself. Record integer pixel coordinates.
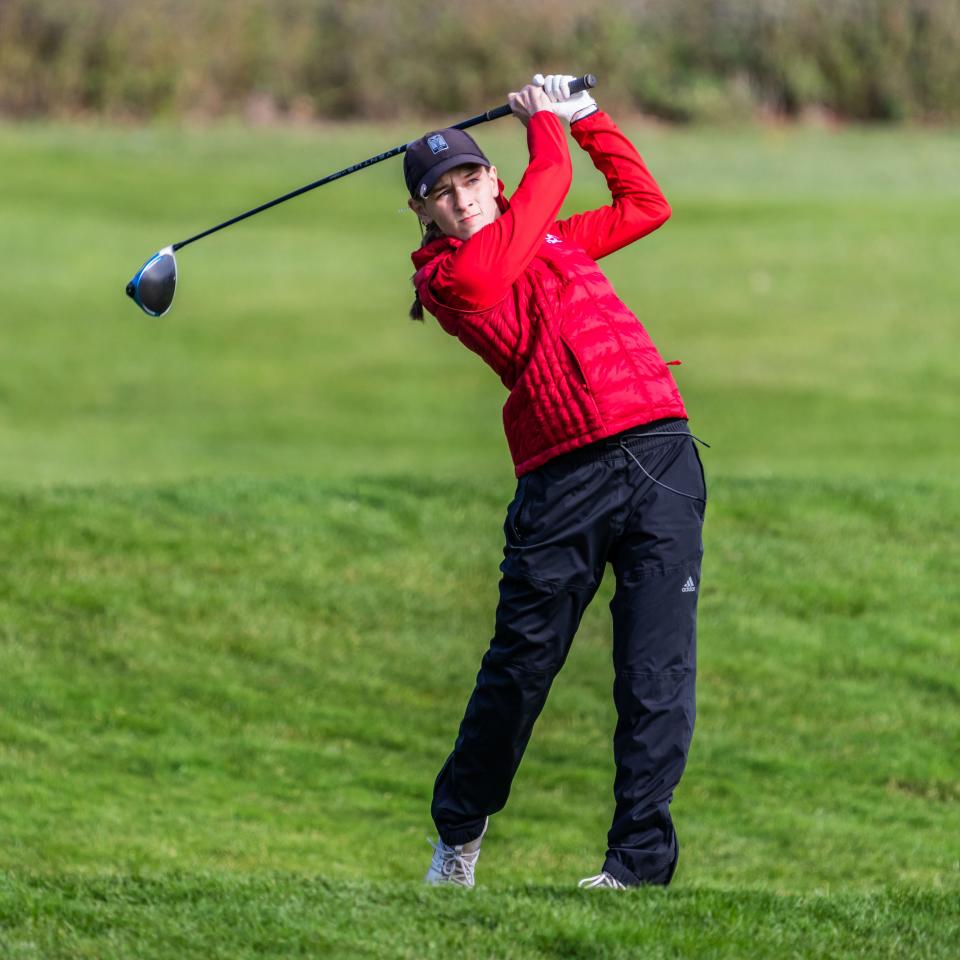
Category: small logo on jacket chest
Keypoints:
(550, 238)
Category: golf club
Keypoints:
(154, 284)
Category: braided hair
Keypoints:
(430, 233)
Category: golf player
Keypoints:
(607, 469)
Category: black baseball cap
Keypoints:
(430, 157)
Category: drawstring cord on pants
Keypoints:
(629, 453)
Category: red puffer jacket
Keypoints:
(526, 294)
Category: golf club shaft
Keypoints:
(582, 83)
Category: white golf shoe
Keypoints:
(600, 881)
(454, 865)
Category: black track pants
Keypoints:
(569, 519)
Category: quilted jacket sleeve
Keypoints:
(638, 207)
(481, 271)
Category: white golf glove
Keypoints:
(557, 87)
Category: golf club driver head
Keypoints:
(154, 284)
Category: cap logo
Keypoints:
(436, 143)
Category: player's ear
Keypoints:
(419, 208)
(493, 176)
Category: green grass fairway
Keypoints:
(248, 561)
(235, 917)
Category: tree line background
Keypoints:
(681, 60)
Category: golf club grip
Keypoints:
(586, 82)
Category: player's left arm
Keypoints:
(638, 205)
